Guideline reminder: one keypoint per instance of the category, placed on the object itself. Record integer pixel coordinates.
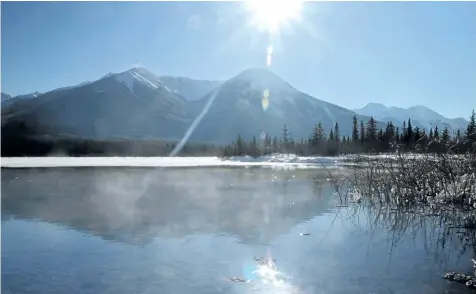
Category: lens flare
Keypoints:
(270, 15)
(265, 100)
(270, 49)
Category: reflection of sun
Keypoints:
(271, 14)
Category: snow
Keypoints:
(190, 89)
(141, 78)
(273, 161)
(167, 88)
(127, 79)
(263, 79)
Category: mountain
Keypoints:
(28, 96)
(190, 89)
(420, 116)
(7, 100)
(5, 97)
(237, 107)
(138, 104)
(127, 104)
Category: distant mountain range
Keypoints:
(140, 105)
(420, 116)
(8, 99)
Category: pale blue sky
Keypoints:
(400, 53)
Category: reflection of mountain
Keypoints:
(136, 205)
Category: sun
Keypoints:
(271, 15)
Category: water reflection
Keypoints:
(189, 230)
(136, 205)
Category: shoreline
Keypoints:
(166, 162)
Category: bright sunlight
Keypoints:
(271, 15)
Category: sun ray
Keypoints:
(271, 15)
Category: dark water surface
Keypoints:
(136, 230)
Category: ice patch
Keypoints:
(273, 161)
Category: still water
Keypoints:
(143, 230)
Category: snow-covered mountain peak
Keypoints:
(139, 75)
(262, 79)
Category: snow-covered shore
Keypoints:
(272, 160)
(275, 160)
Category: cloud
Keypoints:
(194, 22)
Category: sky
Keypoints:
(395, 53)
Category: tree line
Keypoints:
(365, 138)
(22, 139)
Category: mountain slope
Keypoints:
(5, 97)
(237, 108)
(138, 104)
(420, 116)
(127, 104)
(190, 89)
(8, 100)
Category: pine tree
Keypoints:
(355, 131)
(239, 146)
(285, 137)
(336, 134)
(275, 147)
(404, 132)
(317, 134)
(436, 133)
(409, 135)
(362, 132)
(471, 129)
(445, 136)
(371, 130)
(254, 150)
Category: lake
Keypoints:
(188, 230)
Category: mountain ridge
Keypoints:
(139, 104)
(420, 115)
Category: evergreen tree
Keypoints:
(337, 134)
(331, 136)
(436, 133)
(285, 137)
(275, 147)
(371, 132)
(445, 136)
(409, 135)
(253, 149)
(239, 146)
(471, 129)
(355, 131)
(404, 131)
(362, 133)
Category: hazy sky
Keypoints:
(401, 53)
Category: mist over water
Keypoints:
(188, 230)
